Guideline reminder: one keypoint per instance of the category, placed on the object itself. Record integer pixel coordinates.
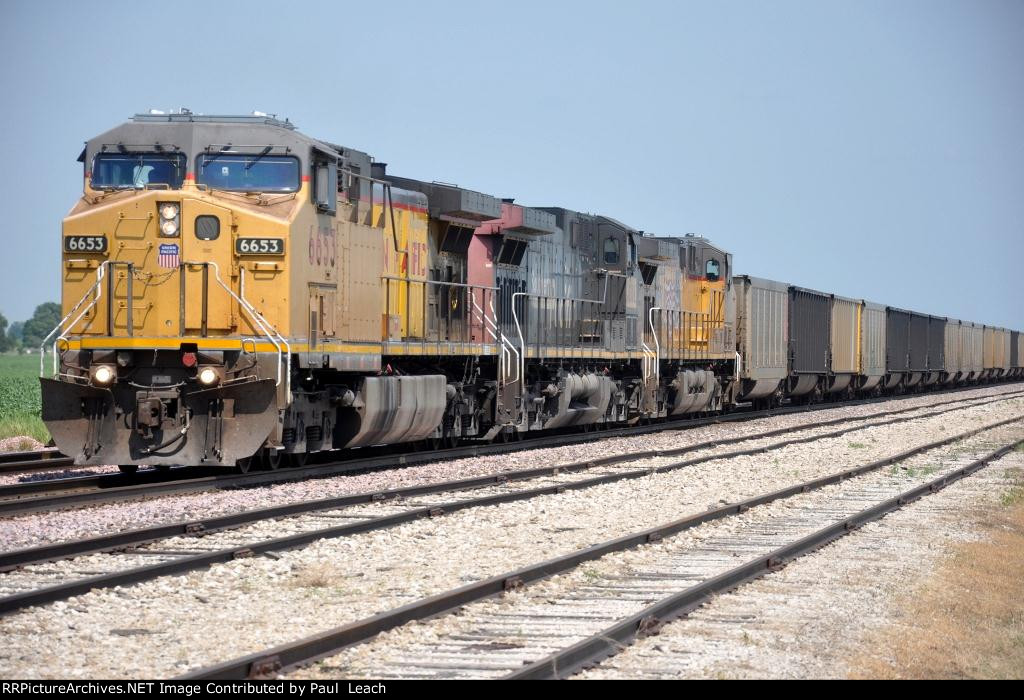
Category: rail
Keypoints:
(325, 643)
(609, 641)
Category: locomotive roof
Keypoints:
(191, 133)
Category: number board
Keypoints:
(85, 244)
(259, 246)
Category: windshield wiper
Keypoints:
(262, 153)
(213, 155)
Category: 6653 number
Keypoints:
(85, 244)
(259, 246)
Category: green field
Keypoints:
(19, 397)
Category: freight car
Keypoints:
(235, 290)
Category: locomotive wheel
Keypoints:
(451, 441)
(298, 459)
(271, 458)
(244, 464)
(128, 468)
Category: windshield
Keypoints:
(248, 173)
(136, 170)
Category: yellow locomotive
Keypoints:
(235, 290)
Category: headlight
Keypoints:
(170, 218)
(103, 374)
(209, 376)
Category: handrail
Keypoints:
(96, 287)
(266, 327)
(275, 338)
(657, 345)
(648, 354)
(261, 323)
(438, 283)
(519, 328)
(482, 316)
(507, 348)
(488, 322)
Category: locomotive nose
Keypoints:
(186, 423)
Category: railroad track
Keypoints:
(43, 460)
(175, 548)
(45, 495)
(579, 619)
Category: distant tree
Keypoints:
(5, 343)
(44, 319)
(14, 334)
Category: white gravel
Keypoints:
(808, 619)
(42, 575)
(495, 637)
(44, 528)
(182, 622)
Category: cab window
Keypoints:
(137, 170)
(248, 173)
(611, 251)
(712, 270)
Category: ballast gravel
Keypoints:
(495, 637)
(183, 622)
(810, 618)
(20, 443)
(44, 528)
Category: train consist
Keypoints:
(236, 291)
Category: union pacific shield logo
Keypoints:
(169, 255)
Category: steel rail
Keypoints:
(19, 499)
(613, 639)
(13, 493)
(272, 661)
(39, 461)
(29, 455)
(115, 480)
(132, 538)
(128, 540)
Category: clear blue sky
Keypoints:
(872, 148)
